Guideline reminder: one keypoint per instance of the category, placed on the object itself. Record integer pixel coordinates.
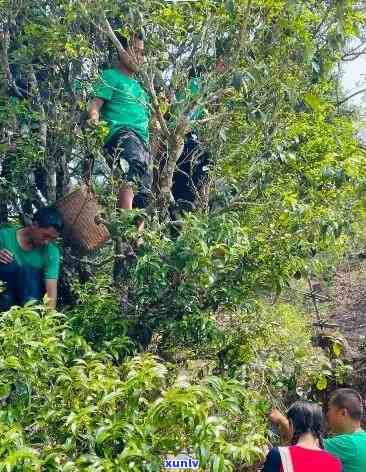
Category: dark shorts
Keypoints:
(191, 171)
(22, 284)
(131, 158)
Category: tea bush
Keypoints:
(68, 407)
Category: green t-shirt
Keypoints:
(350, 449)
(126, 104)
(194, 89)
(46, 258)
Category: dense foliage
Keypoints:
(68, 407)
(286, 194)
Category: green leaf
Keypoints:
(322, 383)
(313, 102)
(337, 348)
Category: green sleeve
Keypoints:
(1, 239)
(341, 447)
(52, 267)
(104, 86)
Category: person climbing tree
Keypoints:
(29, 262)
(120, 100)
(191, 171)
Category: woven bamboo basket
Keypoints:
(79, 210)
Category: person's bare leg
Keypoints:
(125, 198)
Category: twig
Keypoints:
(97, 264)
(313, 297)
(112, 36)
(324, 324)
(235, 206)
(351, 96)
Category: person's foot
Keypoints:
(137, 243)
(139, 222)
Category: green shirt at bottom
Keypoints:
(350, 449)
(46, 258)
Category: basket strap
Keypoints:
(88, 169)
(87, 179)
(286, 459)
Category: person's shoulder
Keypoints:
(341, 438)
(273, 461)
(342, 445)
(108, 74)
(359, 440)
(8, 230)
(107, 71)
(53, 250)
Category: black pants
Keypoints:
(191, 171)
(23, 283)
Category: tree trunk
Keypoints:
(174, 150)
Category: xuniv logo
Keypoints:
(181, 462)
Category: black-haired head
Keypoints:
(345, 410)
(306, 417)
(134, 46)
(46, 227)
(127, 41)
(49, 217)
(350, 400)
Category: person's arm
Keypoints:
(51, 292)
(52, 270)
(283, 425)
(6, 257)
(94, 109)
(102, 91)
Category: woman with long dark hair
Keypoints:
(305, 454)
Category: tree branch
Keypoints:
(155, 103)
(5, 40)
(352, 55)
(50, 163)
(112, 36)
(351, 96)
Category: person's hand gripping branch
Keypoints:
(6, 257)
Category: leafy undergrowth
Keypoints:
(67, 406)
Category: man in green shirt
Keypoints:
(29, 262)
(121, 101)
(344, 416)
